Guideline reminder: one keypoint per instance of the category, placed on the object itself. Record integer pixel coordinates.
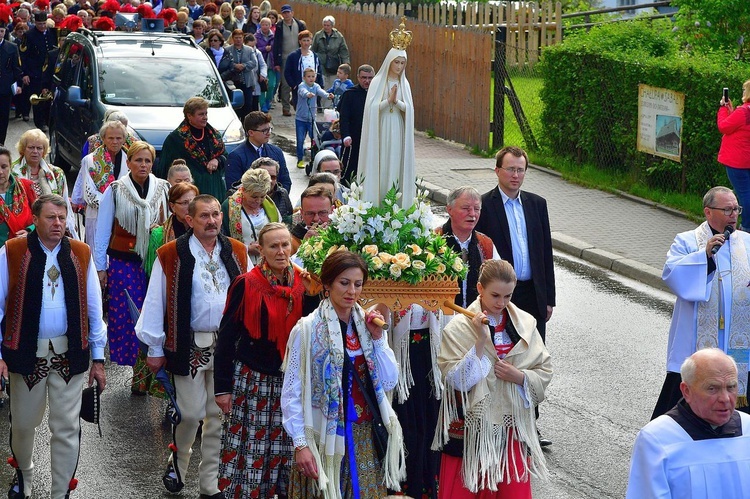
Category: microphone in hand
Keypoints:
(727, 232)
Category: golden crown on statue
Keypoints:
(401, 37)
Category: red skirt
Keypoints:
(452, 485)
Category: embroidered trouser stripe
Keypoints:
(195, 397)
(27, 410)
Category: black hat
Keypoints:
(91, 405)
(40, 17)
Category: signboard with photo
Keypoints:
(660, 121)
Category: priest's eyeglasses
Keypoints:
(727, 211)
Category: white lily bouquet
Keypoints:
(397, 244)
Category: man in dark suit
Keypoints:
(518, 224)
(258, 128)
(10, 73)
(34, 51)
(351, 112)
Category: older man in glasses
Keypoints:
(708, 268)
(258, 128)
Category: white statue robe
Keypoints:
(685, 272)
(386, 154)
(668, 463)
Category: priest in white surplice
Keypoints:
(701, 448)
(713, 297)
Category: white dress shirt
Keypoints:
(518, 236)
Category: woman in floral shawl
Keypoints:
(32, 147)
(200, 145)
(103, 166)
(325, 409)
(248, 210)
(493, 376)
(16, 197)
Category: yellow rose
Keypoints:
(377, 263)
(401, 259)
(441, 268)
(319, 245)
(441, 250)
(332, 250)
(370, 249)
(458, 265)
(418, 264)
(395, 270)
(430, 256)
(386, 257)
(415, 250)
(343, 248)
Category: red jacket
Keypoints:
(735, 141)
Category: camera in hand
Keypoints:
(726, 94)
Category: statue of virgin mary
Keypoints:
(386, 156)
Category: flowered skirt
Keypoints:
(369, 470)
(256, 452)
(122, 275)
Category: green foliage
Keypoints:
(713, 24)
(590, 97)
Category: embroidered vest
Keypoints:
(26, 263)
(178, 264)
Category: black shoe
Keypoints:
(26, 118)
(543, 442)
(45, 129)
(15, 492)
(218, 495)
(171, 482)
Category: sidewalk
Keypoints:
(623, 234)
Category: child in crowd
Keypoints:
(304, 119)
(331, 138)
(341, 84)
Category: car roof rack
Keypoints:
(95, 36)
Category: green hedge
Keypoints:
(590, 97)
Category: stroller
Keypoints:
(324, 137)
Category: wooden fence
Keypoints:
(531, 25)
(448, 67)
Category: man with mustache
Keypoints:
(52, 279)
(180, 320)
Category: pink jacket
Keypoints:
(735, 141)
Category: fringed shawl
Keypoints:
(319, 366)
(494, 410)
(400, 345)
(137, 216)
(281, 320)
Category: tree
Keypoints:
(714, 24)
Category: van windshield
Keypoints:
(144, 82)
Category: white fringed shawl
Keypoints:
(400, 345)
(137, 216)
(494, 409)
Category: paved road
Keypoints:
(607, 375)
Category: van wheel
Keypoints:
(54, 150)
